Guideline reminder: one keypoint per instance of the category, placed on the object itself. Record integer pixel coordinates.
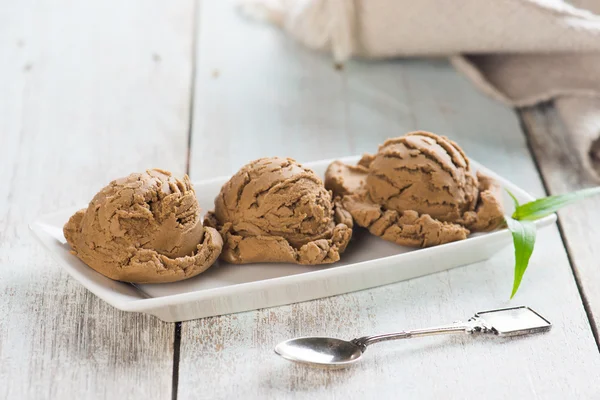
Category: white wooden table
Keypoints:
(93, 90)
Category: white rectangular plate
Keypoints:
(224, 288)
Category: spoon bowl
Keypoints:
(319, 351)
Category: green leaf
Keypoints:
(523, 233)
(549, 205)
(523, 229)
(513, 197)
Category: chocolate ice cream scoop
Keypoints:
(418, 190)
(144, 228)
(275, 210)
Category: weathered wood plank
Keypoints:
(234, 64)
(90, 91)
(566, 166)
(257, 94)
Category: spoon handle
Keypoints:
(456, 327)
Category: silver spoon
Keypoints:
(331, 352)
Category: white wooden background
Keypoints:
(90, 91)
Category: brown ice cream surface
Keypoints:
(418, 190)
(144, 228)
(275, 210)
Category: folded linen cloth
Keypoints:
(521, 52)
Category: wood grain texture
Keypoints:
(258, 94)
(90, 91)
(565, 165)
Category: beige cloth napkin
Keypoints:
(519, 51)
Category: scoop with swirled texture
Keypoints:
(418, 190)
(275, 210)
(144, 228)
